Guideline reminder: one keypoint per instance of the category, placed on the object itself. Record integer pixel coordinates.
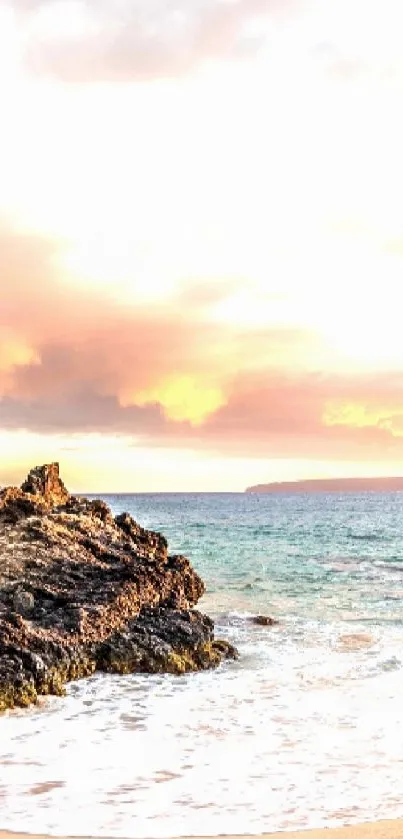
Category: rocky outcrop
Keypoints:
(82, 591)
(45, 481)
(263, 620)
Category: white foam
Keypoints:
(296, 734)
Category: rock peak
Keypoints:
(46, 482)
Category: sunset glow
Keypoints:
(201, 241)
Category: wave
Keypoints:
(388, 565)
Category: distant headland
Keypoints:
(332, 485)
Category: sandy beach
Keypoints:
(373, 830)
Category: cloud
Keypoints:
(126, 40)
(312, 415)
(74, 361)
(359, 41)
(66, 345)
(135, 40)
(73, 358)
(80, 409)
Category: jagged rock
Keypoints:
(155, 543)
(23, 602)
(263, 620)
(45, 481)
(163, 641)
(14, 504)
(80, 591)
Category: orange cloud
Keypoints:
(14, 352)
(389, 417)
(85, 359)
(75, 361)
(285, 415)
(182, 397)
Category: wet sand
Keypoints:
(373, 830)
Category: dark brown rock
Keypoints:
(80, 591)
(23, 602)
(263, 620)
(164, 640)
(15, 504)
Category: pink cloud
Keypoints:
(137, 39)
(86, 351)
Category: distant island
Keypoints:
(332, 485)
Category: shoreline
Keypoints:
(391, 829)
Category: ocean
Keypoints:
(305, 730)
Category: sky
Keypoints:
(201, 241)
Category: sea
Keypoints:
(304, 730)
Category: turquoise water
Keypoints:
(324, 557)
(304, 730)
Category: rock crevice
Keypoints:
(82, 590)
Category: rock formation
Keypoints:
(45, 481)
(82, 591)
(263, 620)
